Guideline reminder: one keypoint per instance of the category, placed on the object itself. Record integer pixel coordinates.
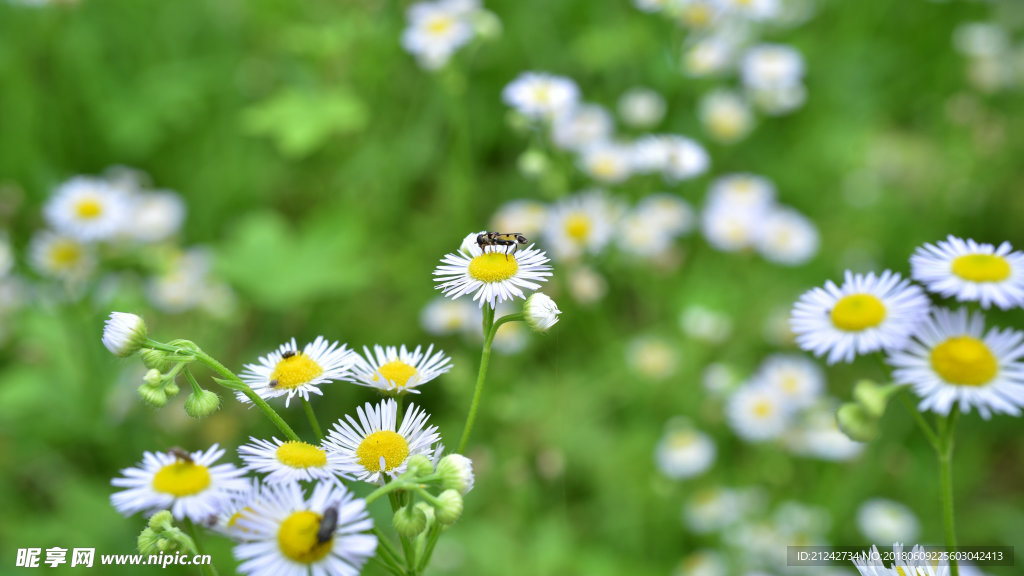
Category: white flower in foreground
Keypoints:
(189, 485)
(491, 275)
(541, 96)
(375, 446)
(871, 564)
(866, 314)
(541, 312)
(881, 520)
(289, 461)
(758, 413)
(291, 372)
(283, 529)
(394, 370)
(684, 453)
(124, 334)
(88, 209)
(641, 107)
(953, 360)
(971, 272)
(770, 66)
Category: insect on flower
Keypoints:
(328, 522)
(509, 240)
(180, 454)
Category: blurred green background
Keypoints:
(322, 168)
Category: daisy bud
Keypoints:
(147, 541)
(449, 507)
(155, 397)
(486, 25)
(201, 404)
(419, 465)
(124, 334)
(456, 473)
(532, 163)
(409, 522)
(171, 389)
(162, 520)
(156, 359)
(541, 312)
(873, 397)
(152, 378)
(855, 421)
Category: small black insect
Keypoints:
(273, 383)
(328, 522)
(180, 454)
(288, 354)
(509, 240)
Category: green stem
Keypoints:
(389, 551)
(312, 419)
(196, 388)
(207, 569)
(945, 455)
(485, 357)
(428, 551)
(929, 433)
(387, 488)
(396, 570)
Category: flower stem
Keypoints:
(312, 419)
(387, 488)
(390, 554)
(206, 569)
(485, 357)
(933, 439)
(945, 455)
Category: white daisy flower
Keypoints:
(541, 96)
(375, 446)
(641, 107)
(971, 272)
(186, 284)
(729, 229)
(491, 275)
(684, 452)
(677, 158)
(866, 314)
(652, 357)
(952, 360)
(434, 32)
(641, 234)
(444, 317)
(696, 14)
(87, 209)
(713, 509)
(667, 212)
(787, 237)
(290, 372)
(708, 56)
(758, 413)
(231, 511)
(726, 116)
(124, 333)
(582, 223)
(981, 39)
(779, 100)
(752, 9)
(283, 530)
(187, 484)
(394, 370)
(798, 379)
(882, 520)
(60, 256)
(289, 461)
(607, 163)
(768, 66)
(582, 126)
(871, 564)
(155, 216)
(817, 435)
(742, 192)
(525, 217)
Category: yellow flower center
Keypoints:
(65, 254)
(697, 16)
(682, 439)
(439, 26)
(295, 370)
(89, 208)
(493, 267)
(542, 93)
(181, 479)
(297, 538)
(858, 312)
(791, 383)
(763, 409)
(981, 268)
(385, 444)
(964, 360)
(577, 226)
(301, 455)
(726, 124)
(396, 371)
(605, 168)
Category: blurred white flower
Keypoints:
(443, 317)
(797, 378)
(434, 31)
(787, 237)
(881, 520)
(707, 324)
(652, 357)
(981, 39)
(155, 216)
(541, 96)
(758, 413)
(87, 209)
(726, 116)
(607, 163)
(641, 107)
(60, 256)
(586, 285)
(713, 509)
(581, 224)
(702, 563)
(770, 66)
(582, 126)
(683, 452)
(677, 158)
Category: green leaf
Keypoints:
(301, 121)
